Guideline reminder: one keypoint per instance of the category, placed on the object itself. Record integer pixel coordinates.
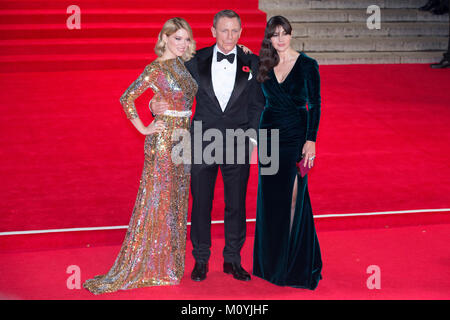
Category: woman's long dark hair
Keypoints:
(268, 56)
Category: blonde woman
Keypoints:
(153, 250)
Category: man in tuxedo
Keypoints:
(228, 98)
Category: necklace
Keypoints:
(286, 64)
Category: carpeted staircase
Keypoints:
(336, 32)
(121, 35)
(113, 34)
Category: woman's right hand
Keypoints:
(154, 127)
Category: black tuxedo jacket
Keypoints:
(246, 102)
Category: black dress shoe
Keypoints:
(429, 5)
(199, 272)
(445, 63)
(236, 270)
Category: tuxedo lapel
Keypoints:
(204, 69)
(240, 82)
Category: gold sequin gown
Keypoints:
(153, 250)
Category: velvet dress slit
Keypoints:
(288, 255)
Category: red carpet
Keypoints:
(413, 264)
(69, 158)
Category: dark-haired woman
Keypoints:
(286, 250)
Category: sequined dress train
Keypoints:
(153, 251)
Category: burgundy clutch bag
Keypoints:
(301, 167)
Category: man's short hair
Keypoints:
(226, 14)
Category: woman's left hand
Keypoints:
(309, 153)
(245, 49)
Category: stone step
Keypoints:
(117, 16)
(355, 15)
(335, 31)
(15, 50)
(107, 30)
(331, 58)
(371, 44)
(339, 4)
(176, 6)
(359, 29)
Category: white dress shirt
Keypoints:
(223, 76)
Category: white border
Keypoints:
(9, 233)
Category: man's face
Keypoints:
(227, 33)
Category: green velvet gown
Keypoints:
(283, 254)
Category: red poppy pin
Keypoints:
(246, 69)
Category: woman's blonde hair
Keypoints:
(170, 27)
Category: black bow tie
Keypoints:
(229, 57)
